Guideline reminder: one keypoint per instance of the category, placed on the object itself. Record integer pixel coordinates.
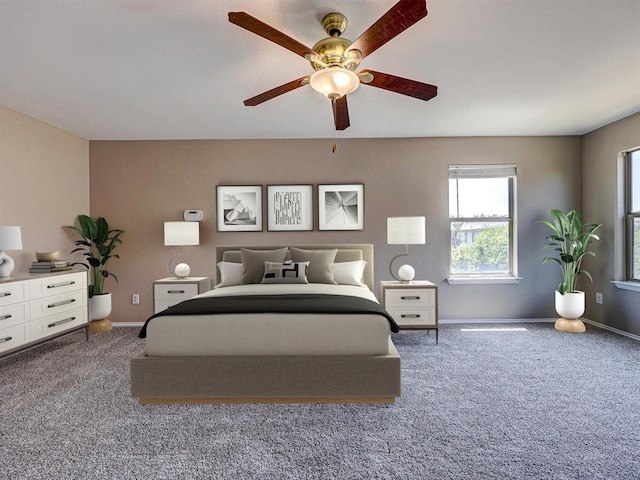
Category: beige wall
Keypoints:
(138, 185)
(45, 183)
(620, 308)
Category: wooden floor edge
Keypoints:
(237, 400)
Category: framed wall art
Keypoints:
(239, 208)
(341, 207)
(289, 207)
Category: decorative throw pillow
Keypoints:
(349, 273)
(230, 274)
(290, 272)
(319, 263)
(253, 262)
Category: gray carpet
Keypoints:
(534, 404)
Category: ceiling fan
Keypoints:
(335, 59)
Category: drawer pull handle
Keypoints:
(410, 315)
(6, 339)
(63, 284)
(59, 304)
(175, 291)
(4, 317)
(410, 297)
(5, 294)
(61, 322)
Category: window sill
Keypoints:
(482, 280)
(633, 286)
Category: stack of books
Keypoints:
(48, 267)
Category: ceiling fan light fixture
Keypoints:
(334, 82)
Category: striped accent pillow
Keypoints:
(290, 272)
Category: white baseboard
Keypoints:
(128, 324)
(612, 329)
(495, 320)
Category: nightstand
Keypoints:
(171, 290)
(412, 305)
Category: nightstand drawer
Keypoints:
(409, 297)
(175, 291)
(161, 305)
(414, 317)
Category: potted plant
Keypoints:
(570, 239)
(97, 243)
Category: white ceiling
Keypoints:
(177, 69)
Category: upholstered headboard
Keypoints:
(346, 253)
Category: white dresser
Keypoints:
(37, 307)
(170, 291)
(413, 305)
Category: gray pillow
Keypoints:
(253, 262)
(320, 261)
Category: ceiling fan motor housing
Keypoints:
(331, 50)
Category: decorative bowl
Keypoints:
(48, 256)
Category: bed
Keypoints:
(315, 353)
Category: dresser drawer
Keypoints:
(409, 297)
(57, 284)
(175, 292)
(13, 337)
(14, 314)
(13, 292)
(414, 317)
(58, 323)
(58, 303)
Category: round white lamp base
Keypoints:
(6, 265)
(182, 270)
(406, 273)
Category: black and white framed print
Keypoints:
(341, 207)
(239, 208)
(289, 207)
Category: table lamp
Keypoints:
(10, 239)
(180, 234)
(407, 231)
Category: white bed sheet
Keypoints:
(271, 334)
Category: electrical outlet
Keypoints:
(135, 298)
(599, 298)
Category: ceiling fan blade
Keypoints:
(403, 86)
(400, 17)
(341, 113)
(275, 92)
(258, 27)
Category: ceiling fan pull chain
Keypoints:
(335, 144)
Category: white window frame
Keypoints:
(489, 171)
(623, 232)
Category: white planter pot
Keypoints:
(99, 306)
(570, 305)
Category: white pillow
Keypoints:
(349, 273)
(230, 274)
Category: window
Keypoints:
(482, 222)
(632, 215)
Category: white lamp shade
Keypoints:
(10, 238)
(405, 230)
(334, 82)
(181, 233)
